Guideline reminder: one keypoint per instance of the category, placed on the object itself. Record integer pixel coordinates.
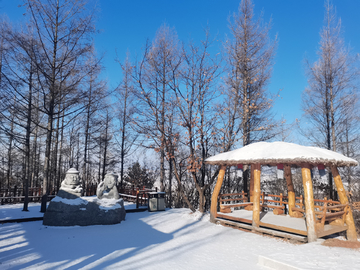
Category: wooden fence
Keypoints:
(279, 203)
(136, 195)
(17, 195)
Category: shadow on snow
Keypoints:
(32, 245)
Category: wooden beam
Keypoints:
(282, 228)
(235, 205)
(281, 234)
(238, 219)
(214, 197)
(225, 222)
(330, 229)
(256, 203)
(349, 219)
(262, 230)
(290, 187)
(309, 203)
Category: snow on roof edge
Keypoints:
(281, 152)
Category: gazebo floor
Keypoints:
(278, 225)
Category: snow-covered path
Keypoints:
(174, 239)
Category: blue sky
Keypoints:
(125, 26)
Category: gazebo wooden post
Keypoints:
(251, 191)
(290, 187)
(309, 203)
(256, 202)
(214, 197)
(349, 219)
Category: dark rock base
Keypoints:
(83, 212)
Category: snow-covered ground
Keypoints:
(14, 211)
(171, 239)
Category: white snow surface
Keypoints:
(105, 204)
(14, 211)
(77, 201)
(172, 239)
(281, 152)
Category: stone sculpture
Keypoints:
(71, 186)
(107, 188)
(69, 209)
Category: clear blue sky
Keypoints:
(125, 26)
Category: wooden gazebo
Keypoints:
(331, 217)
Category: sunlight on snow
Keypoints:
(109, 257)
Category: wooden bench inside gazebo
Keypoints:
(296, 217)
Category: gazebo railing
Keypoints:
(231, 197)
(273, 201)
(279, 204)
(318, 204)
(232, 200)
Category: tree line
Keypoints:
(178, 103)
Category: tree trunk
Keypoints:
(87, 128)
(47, 160)
(27, 141)
(58, 183)
(181, 188)
(11, 138)
(48, 149)
(214, 197)
(106, 142)
(170, 183)
(55, 154)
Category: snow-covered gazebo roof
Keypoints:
(281, 152)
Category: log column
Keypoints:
(349, 219)
(290, 188)
(252, 184)
(214, 197)
(309, 203)
(256, 203)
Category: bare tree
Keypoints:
(156, 75)
(249, 58)
(63, 29)
(105, 139)
(349, 142)
(195, 99)
(331, 91)
(94, 102)
(126, 109)
(21, 86)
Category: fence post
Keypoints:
(15, 191)
(137, 197)
(43, 203)
(325, 198)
